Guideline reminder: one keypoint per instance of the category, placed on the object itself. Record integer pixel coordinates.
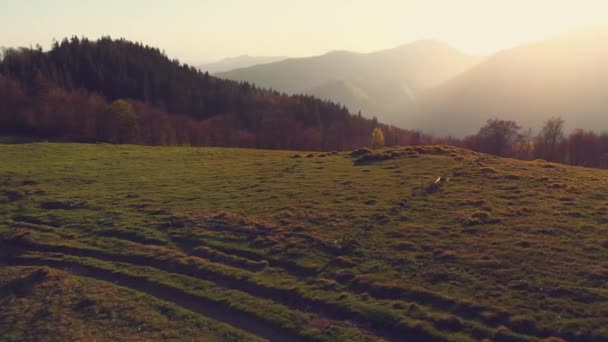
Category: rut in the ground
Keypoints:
(297, 302)
(235, 318)
(285, 297)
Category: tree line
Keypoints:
(123, 92)
(119, 91)
(506, 138)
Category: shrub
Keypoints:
(360, 152)
(371, 158)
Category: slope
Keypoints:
(320, 248)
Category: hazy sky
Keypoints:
(204, 30)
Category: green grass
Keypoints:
(45, 304)
(505, 248)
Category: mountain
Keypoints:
(344, 91)
(564, 76)
(242, 61)
(375, 83)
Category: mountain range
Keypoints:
(242, 61)
(565, 76)
(375, 83)
(431, 86)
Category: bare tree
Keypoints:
(549, 139)
(524, 145)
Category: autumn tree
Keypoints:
(377, 138)
(497, 137)
(12, 99)
(118, 123)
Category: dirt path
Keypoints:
(243, 321)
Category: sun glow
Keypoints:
(198, 30)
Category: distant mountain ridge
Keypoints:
(565, 76)
(375, 83)
(242, 61)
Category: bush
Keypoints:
(360, 152)
(371, 158)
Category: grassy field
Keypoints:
(129, 242)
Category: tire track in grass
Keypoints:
(286, 297)
(462, 309)
(437, 302)
(238, 319)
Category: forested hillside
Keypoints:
(64, 94)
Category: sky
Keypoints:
(200, 31)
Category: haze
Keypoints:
(202, 31)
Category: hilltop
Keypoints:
(299, 246)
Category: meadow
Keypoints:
(130, 242)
